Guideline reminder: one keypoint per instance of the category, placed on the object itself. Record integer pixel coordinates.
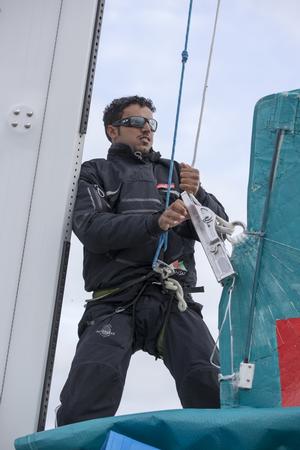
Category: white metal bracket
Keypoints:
(246, 375)
(204, 221)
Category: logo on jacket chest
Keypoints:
(179, 268)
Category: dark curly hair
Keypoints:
(114, 110)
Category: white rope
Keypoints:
(228, 228)
(170, 284)
(227, 313)
(206, 82)
(174, 285)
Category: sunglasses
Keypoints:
(136, 122)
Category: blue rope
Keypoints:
(163, 240)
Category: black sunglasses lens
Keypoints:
(137, 121)
(153, 124)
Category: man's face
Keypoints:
(139, 139)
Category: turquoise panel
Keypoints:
(271, 250)
(189, 429)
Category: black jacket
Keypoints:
(116, 214)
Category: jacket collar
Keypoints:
(125, 152)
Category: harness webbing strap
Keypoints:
(101, 293)
(192, 290)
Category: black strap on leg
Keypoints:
(133, 304)
(161, 336)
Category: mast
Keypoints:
(48, 53)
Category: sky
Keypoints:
(256, 54)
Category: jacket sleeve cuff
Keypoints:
(152, 225)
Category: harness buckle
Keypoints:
(163, 269)
(119, 309)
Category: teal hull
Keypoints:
(229, 429)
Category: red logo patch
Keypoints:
(165, 186)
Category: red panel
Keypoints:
(288, 341)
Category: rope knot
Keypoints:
(173, 285)
(184, 56)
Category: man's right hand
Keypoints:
(175, 214)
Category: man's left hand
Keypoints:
(189, 179)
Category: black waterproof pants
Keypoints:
(107, 340)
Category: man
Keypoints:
(119, 215)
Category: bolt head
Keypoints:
(21, 118)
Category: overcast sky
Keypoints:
(256, 54)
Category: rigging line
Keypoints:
(273, 171)
(206, 82)
(183, 60)
(163, 240)
(226, 313)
